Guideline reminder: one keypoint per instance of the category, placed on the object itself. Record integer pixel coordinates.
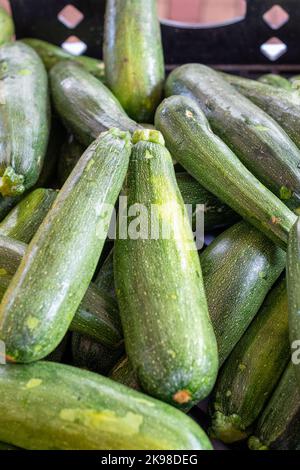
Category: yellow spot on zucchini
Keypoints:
(32, 383)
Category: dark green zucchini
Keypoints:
(24, 118)
(105, 280)
(124, 373)
(293, 284)
(51, 55)
(278, 427)
(258, 141)
(7, 203)
(24, 220)
(252, 370)
(133, 56)
(239, 268)
(4, 446)
(94, 356)
(86, 411)
(276, 81)
(7, 28)
(85, 105)
(168, 335)
(193, 144)
(283, 105)
(40, 303)
(97, 316)
(71, 152)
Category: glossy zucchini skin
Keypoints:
(97, 315)
(51, 55)
(24, 118)
(239, 268)
(278, 428)
(124, 373)
(252, 370)
(258, 141)
(293, 284)
(71, 152)
(87, 411)
(36, 311)
(168, 335)
(276, 81)
(133, 56)
(86, 106)
(24, 219)
(193, 144)
(283, 105)
(7, 28)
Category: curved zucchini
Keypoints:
(51, 55)
(94, 356)
(7, 28)
(252, 370)
(168, 334)
(53, 276)
(124, 373)
(96, 317)
(192, 143)
(24, 118)
(283, 105)
(239, 268)
(87, 411)
(276, 81)
(133, 56)
(278, 427)
(258, 141)
(24, 220)
(85, 105)
(293, 284)
(71, 152)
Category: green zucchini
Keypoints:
(281, 104)
(239, 268)
(71, 152)
(133, 56)
(7, 28)
(7, 204)
(258, 141)
(278, 427)
(87, 411)
(51, 55)
(192, 143)
(105, 280)
(94, 356)
(96, 317)
(24, 118)
(293, 284)
(85, 105)
(124, 373)
(276, 81)
(168, 334)
(23, 221)
(252, 370)
(59, 263)
(295, 81)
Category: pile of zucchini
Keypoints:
(110, 342)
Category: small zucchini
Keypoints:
(86, 411)
(7, 28)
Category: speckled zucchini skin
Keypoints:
(239, 268)
(51, 55)
(277, 81)
(96, 317)
(71, 152)
(7, 28)
(24, 118)
(24, 220)
(252, 370)
(283, 105)
(278, 427)
(124, 373)
(133, 56)
(193, 144)
(85, 105)
(293, 283)
(168, 334)
(259, 142)
(55, 406)
(59, 263)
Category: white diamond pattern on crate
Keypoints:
(273, 49)
(74, 45)
(276, 17)
(70, 16)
